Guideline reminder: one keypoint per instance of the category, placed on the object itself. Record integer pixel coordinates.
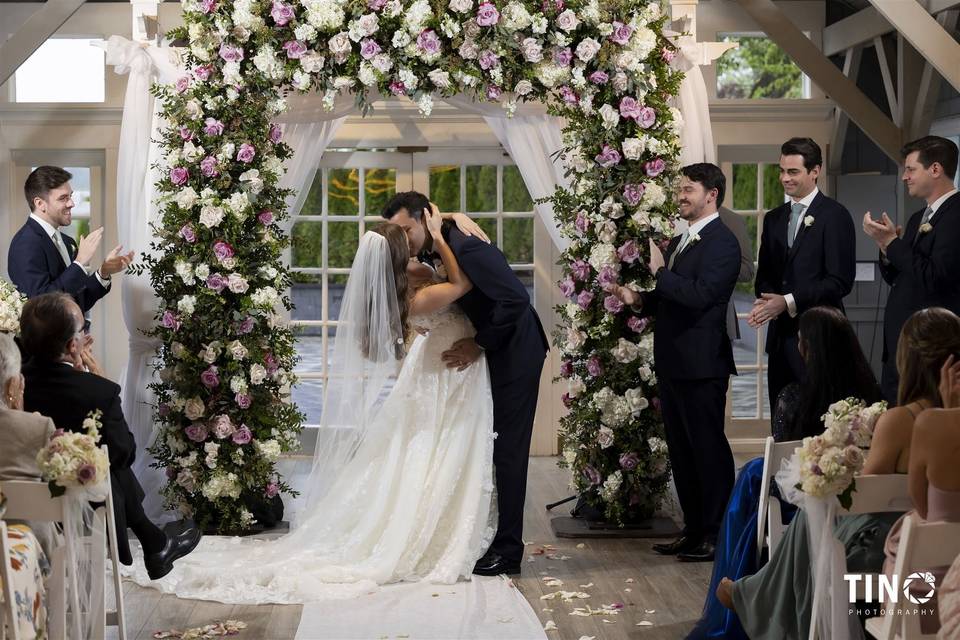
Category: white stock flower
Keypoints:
(269, 449)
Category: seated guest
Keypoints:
(835, 369)
(22, 434)
(58, 386)
(776, 601)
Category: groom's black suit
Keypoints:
(515, 345)
(694, 360)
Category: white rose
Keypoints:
(461, 6)
(567, 20)
(606, 231)
(252, 180)
(186, 198)
(532, 50)
(440, 78)
(194, 409)
(636, 400)
(237, 350)
(610, 115)
(237, 283)
(191, 152)
(625, 352)
(575, 339)
(257, 374)
(587, 49)
(367, 75)
(185, 271)
(523, 88)
(605, 437)
(193, 109)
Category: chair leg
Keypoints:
(117, 578)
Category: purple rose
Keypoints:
(246, 326)
(567, 287)
(222, 250)
(584, 299)
(566, 368)
(629, 460)
(494, 92)
(185, 133)
(487, 15)
(246, 152)
(209, 378)
(272, 490)
(242, 435)
(231, 53)
(621, 33)
(655, 167)
(613, 304)
(668, 54)
(629, 252)
(397, 88)
(276, 133)
(182, 84)
(208, 6)
(216, 282)
(295, 49)
(629, 107)
(203, 72)
(582, 223)
(637, 325)
(565, 399)
(376, 5)
(86, 473)
(488, 59)
(212, 127)
(170, 321)
(429, 42)
(594, 368)
(188, 234)
(562, 56)
(580, 269)
(607, 276)
(368, 48)
(163, 409)
(632, 193)
(179, 175)
(208, 167)
(281, 13)
(569, 95)
(265, 216)
(270, 362)
(608, 157)
(243, 400)
(647, 117)
(592, 475)
(599, 77)
(197, 432)
(552, 5)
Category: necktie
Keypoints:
(680, 247)
(796, 209)
(62, 248)
(927, 214)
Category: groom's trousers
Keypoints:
(703, 467)
(514, 407)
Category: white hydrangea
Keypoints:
(222, 485)
(265, 297)
(551, 75)
(185, 271)
(325, 15)
(604, 255)
(515, 17)
(367, 75)
(269, 449)
(416, 16)
(611, 486)
(268, 63)
(187, 304)
(461, 6)
(643, 42)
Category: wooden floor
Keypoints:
(650, 588)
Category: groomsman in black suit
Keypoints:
(694, 357)
(922, 267)
(42, 259)
(807, 259)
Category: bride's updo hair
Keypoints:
(399, 257)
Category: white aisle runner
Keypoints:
(482, 609)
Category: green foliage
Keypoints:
(757, 69)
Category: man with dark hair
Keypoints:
(807, 259)
(923, 265)
(510, 333)
(42, 259)
(693, 356)
(58, 385)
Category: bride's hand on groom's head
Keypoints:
(433, 221)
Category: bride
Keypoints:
(402, 478)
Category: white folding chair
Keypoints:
(769, 520)
(30, 500)
(8, 613)
(886, 493)
(923, 546)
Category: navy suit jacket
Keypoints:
(36, 267)
(925, 274)
(498, 305)
(818, 269)
(690, 306)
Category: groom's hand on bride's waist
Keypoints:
(462, 354)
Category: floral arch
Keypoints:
(225, 359)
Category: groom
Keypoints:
(509, 332)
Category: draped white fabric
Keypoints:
(309, 140)
(696, 136)
(143, 64)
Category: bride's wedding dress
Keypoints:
(413, 502)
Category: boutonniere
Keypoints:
(926, 227)
(695, 238)
(808, 221)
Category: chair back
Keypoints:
(769, 523)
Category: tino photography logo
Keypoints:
(873, 594)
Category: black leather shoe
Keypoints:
(160, 563)
(493, 564)
(702, 553)
(680, 545)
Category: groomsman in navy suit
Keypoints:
(923, 267)
(693, 356)
(807, 259)
(42, 259)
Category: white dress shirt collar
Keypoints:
(698, 226)
(939, 202)
(807, 200)
(49, 228)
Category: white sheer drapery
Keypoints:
(696, 135)
(136, 209)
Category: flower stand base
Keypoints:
(656, 527)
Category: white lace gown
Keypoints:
(413, 504)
